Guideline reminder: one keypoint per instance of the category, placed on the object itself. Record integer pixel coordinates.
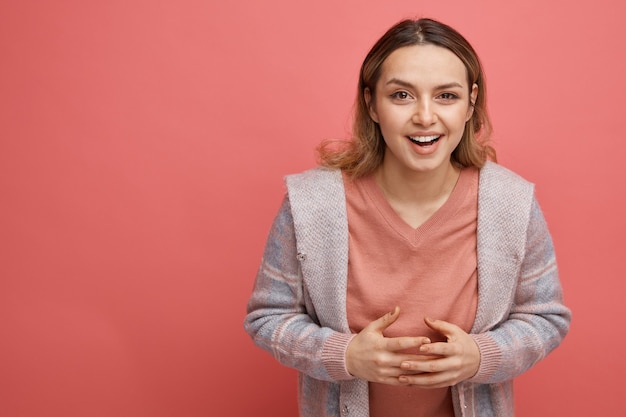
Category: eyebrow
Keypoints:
(409, 85)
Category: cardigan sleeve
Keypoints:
(278, 318)
(537, 321)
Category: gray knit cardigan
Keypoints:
(297, 310)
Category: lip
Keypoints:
(426, 133)
(424, 138)
(425, 149)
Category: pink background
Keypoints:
(142, 149)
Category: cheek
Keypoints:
(469, 113)
(459, 118)
(393, 117)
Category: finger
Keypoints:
(440, 349)
(381, 323)
(392, 380)
(430, 364)
(428, 380)
(394, 344)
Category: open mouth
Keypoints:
(424, 140)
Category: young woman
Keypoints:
(410, 275)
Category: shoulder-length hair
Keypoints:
(364, 153)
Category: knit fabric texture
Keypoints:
(297, 310)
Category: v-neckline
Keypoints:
(411, 234)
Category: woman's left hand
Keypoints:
(444, 363)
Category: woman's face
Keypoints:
(421, 103)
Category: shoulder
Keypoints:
(314, 176)
(493, 171)
(318, 208)
(498, 181)
(504, 196)
(317, 183)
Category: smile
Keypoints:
(424, 140)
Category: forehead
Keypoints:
(424, 64)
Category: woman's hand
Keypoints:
(375, 358)
(445, 363)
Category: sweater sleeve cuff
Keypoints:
(334, 356)
(490, 358)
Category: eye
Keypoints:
(401, 95)
(448, 96)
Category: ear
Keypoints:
(473, 96)
(371, 109)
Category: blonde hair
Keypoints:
(364, 153)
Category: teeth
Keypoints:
(423, 139)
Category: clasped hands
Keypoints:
(376, 358)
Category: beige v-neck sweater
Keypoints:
(428, 271)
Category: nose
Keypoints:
(424, 113)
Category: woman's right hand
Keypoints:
(374, 357)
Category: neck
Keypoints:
(415, 187)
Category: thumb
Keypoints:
(385, 321)
(447, 329)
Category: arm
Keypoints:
(536, 324)
(538, 320)
(277, 316)
(281, 320)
